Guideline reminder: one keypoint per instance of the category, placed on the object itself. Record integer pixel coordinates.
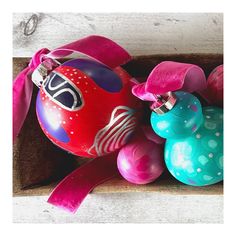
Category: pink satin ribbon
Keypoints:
(96, 47)
(73, 189)
(170, 76)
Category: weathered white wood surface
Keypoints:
(139, 33)
(124, 208)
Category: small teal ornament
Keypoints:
(183, 119)
(193, 156)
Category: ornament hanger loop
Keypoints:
(164, 102)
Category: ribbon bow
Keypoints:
(170, 76)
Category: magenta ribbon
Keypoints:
(75, 187)
(170, 76)
(96, 47)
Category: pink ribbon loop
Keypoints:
(170, 76)
(96, 47)
(22, 91)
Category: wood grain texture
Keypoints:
(165, 185)
(141, 207)
(139, 33)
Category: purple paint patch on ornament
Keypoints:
(58, 133)
(194, 127)
(191, 181)
(194, 108)
(102, 75)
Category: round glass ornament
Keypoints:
(86, 108)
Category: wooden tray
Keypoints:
(38, 164)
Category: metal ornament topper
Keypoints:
(164, 103)
(43, 70)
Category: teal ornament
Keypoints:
(194, 147)
(198, 159)
(182, 120)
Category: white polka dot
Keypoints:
(162, 125)
(70, 118)
(63, 122)
(181, 108)
(212, 143)
(188, 106)
(71, 74)
(199, 169)
(77, 82)
(72, 79)
(198, 135)
(79, 77)
(209, 125)
(203, 160)
(76, 114)
(177, 173)
(86, 83)
(59, 108)
(71, 132)
(43, 98)
(207, 177)
(195, 102)
(185, 121)
(167, 131)
(74, 70)
(217, 134)
(210, 155)
(208, 117)
(75, 73)
(219, 173)
(85, 76)
(67, 70)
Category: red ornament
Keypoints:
(86, 108)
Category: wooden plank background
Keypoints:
(140, 34)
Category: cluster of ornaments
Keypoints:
(88, 109)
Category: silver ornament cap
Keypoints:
(164, 103)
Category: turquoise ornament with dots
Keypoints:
(194, 148)
(183, 119)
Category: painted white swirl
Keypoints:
(115, 133)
